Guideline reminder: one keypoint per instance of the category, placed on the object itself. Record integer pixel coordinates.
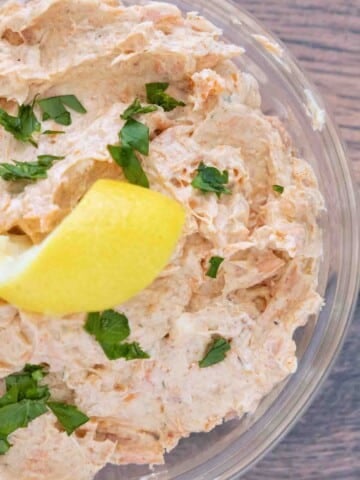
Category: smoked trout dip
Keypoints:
(265, 230)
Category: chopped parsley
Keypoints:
(19, 415)
(4, 444)
(278, 188)
(28, 170)
(155, 93)
(11, 396)
(210, 179)
(26, 399)
(136, 109)
(215, 263)
(216, 352)
(55, 108)
(25, 385)
(126, 158)
(129, 351)
(136, 135)
(110, 329)
(68, 415)
(23, 126)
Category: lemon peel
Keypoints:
(111, 246)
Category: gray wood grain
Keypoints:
(325, 37)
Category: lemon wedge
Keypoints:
(112, 245)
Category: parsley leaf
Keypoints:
(114, 351)
(155, 93)
(26, 400)
(216, 352)
(38, 372)
(125, 157)
(210, 179)
(12, 417)
(34, 409)
(54, 108)
(135, 134)
(29, 122)
(110, 328)
(48, 160)
(135, 351)
(68, 415)
(11, 396)
(23, 126)
(215, 263)
(4, 444)
(278, 188)
(19, 415)
(26, 384)
(136, 109)
(129, 351)
(28, 170)
(72, 102)
(23, 402)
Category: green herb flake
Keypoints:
(55, 108)
(19, 415)
(37, 372)
(11, 396)
(23, 125)
(126, 158)
(28, 170)
(136, 135)
(72, 102)
(23, 401)
(129, 351)
(278, 188)
(216, 352)
(136, 109)
(110, 328)
(68, 415)
(52, 132)
(135, 351)
(26, 400)
(210, 179)
(4, 445)
(215, 263)
(34, 409)
(48, 160)
(155, 93)
(26, 384)
(12, 417)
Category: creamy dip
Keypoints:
(105, 53)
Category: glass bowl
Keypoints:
(230, 449)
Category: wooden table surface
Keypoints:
(324, 35)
